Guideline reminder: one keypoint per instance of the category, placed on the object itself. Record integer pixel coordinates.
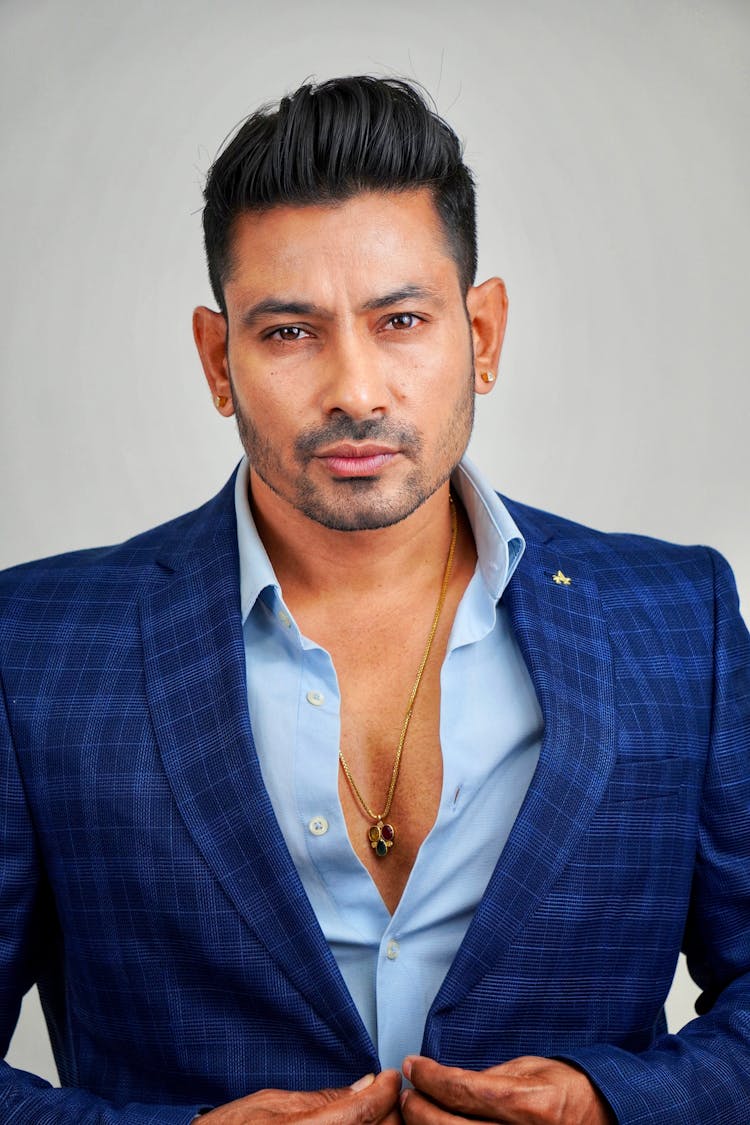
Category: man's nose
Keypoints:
(354, 379)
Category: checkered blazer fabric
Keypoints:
(145, 884)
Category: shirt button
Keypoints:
(318, 826)
(316, 698)
(392, 950)
(285, 619)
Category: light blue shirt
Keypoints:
(490, 735)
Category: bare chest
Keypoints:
(392, 761)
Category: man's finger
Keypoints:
(416, 1109)
(369, 1101)
(472, 1093)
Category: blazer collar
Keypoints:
(563, 638)
(196, 687)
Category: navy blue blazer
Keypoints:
(146, 886)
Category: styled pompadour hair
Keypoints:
(326, 143)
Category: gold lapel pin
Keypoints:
(561, 579)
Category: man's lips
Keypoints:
(348, 460)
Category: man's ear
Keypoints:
(210, 335)
(487, 306)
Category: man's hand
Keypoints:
(525, 1091)
(370, 1101)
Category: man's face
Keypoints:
(350, 356)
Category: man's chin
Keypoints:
(359, 506)
(354, 520)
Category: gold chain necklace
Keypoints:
(381, 834)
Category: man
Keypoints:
(359, 769)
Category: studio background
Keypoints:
(609, 142)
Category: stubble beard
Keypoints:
(359, 503)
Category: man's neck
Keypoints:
(314, 561)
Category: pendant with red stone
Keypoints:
(381, 837)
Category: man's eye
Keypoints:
(288, 333)
(403, 320)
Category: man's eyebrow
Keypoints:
(407, 293)
(278, 306)
(273, 306)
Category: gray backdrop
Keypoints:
(609, 139)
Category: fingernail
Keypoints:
(406, 1068)
(362, 1083)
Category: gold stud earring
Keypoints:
(487, 376)
(221, 401)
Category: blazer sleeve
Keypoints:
(25, 1097)
(701, 1076)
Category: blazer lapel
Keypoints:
(563, 639)
(195, 682)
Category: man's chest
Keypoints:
(391, 768)
(389, 746)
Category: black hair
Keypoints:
(324, 144)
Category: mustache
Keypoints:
(344, 428)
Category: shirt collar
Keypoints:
(256, 572)
(498, 541)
